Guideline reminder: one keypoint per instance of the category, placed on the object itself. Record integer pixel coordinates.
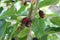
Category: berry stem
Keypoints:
(30, 12)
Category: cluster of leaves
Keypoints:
(39, 27)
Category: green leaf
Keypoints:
(55, 20)
(9, 12)
(13, 31)
(44, 37)
(21, 9)
(23, 33)
(24, 38)
(9, 29)
(52, 37)
(13, 17)
(38, 27)
(1, 8)
(48, 2)
(2, 23)
(25, 13)
(52, 29)
(7, 2)
(3, 26)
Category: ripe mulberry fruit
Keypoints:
(35, 38)
(41, 14)
(13, 38)
(26, 21)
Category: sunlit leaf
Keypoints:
(52, 37)
(49, 2)
(55, 20)
(23, 33)
(9, 12)
(44, 37)
(38, 27)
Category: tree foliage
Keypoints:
(41, 28)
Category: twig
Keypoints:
(29, 34)
(35, 9)
(32, 17)
(30, 12)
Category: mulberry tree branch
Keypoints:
(32, 17)
(29, 34)
(30, 12)
(35, 9)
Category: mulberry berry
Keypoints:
(26, 21)
(41, 14)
